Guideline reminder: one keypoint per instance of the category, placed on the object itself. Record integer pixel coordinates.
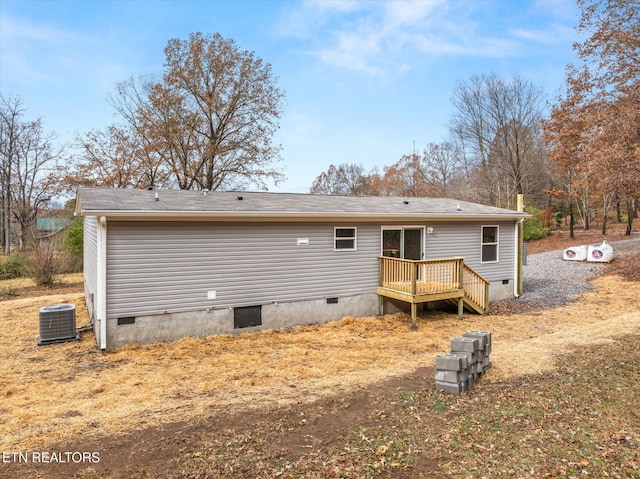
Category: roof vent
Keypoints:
(240, 198)
(150, 187)
(458, 208)
(57, 324)
(156, 198)
(405, 202)
(205, 191)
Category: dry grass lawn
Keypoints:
(53, 393)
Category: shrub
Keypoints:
(72, 245)
(533, 228)
(73, 239)
(13, 266)
(44, 261)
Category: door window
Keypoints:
(403, 242)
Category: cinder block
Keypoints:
(465, 344)
(487, 350)
(454, 388)
(451, 362)
(469, 356)
(480, 337)
(478, 357)
(450, 376)
(485, 335)
(470, 382)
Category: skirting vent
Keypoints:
(57, 324)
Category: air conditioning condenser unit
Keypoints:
(57, 324)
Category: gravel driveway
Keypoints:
(550, 281)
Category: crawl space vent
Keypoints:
(57, 324)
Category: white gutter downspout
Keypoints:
(101, 287)
(519, 263)
(516, 255)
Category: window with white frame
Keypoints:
(345, 239)
(489, 244)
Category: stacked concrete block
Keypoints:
(467, 362)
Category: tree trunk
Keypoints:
(630, 208)
(618, 210)
(571, 220)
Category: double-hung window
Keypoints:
(489, 244)
(345, 239)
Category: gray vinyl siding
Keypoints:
(153, 267)
(465, 240)
(90, 261)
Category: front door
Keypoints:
(403, 242)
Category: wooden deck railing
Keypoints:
(476, 288)
(422, 278)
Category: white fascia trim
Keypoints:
(141, 215)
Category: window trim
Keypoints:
(496, 243)
(337, 238)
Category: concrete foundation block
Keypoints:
(450, 376)
(463, 344)
(484, 335)
(469, 383)
(453, 388)
(478, 357)
(469, 359)
(451, 362)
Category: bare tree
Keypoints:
(28, 156)
(11, 130)
(344, 179)
(115, 157)
(497, 124)
(211, 118)
(442, 163)
(33, 186)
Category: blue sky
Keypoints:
(364, 81)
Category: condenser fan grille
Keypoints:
(57, 324)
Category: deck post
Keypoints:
(414, 315)
(414, 279)
(460, 306)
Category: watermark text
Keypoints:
(50, 457)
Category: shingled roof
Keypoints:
(137, 204)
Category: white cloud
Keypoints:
(401, 14)
(380, 39)
(32, 51)
(14, 29)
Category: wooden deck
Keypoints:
(433, 280)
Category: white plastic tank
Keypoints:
(602, 253)
(575, 253)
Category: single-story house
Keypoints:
(165, 264)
